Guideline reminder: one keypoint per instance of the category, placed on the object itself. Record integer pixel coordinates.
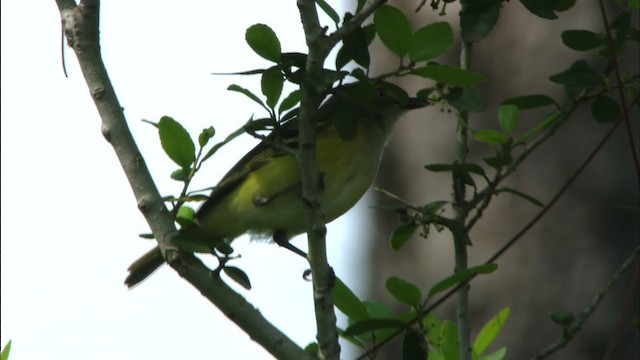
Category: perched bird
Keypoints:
(261, 194)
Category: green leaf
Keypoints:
(345, 122)
(499, 161)
(176, 142)
(564, 5)
(368, 325)
(542, 8)
(206, 135)
(530, 101)
(393, 28)
(4, 355)
(180, 174)
(264, 42)
(581, 40)
(461, 171)
(354, 47)
(348, 302)
(563, 318)
(404, 291)
(185, 216)
(224, 248)
(529, 198)
(431, 41)
(272, 82)
(191, 244)
(621, 26)
(433, 328)
(458, 231)
(466, 167)
(238, 276)
(363, 93)
(311, 349)
(466, 99)
(327, 9)
(540, 126)
(499, 354)
(230, 137)
(249, 94)
(412, 346)
(477, 19)
(461, 276)
(605, 110)
(395, 92)
(449, 334)
(490, 331)
(290, 101)
(377, 310)
(401, 235)
(293, 65)
(491, 137)
(449, 75)
(508, 117)
(578, 75)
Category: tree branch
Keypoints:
(322, 275)
(81, 27)
(461, 211)
(570, 330)
(312, 89)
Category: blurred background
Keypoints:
(563, 261)
(70, 222)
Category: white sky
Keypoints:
(69, 220)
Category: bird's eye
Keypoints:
(381, 93)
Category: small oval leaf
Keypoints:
(272, 82)
(176, 142)
(605, 110)
(404, 291)
(431, 41)
(530, 101)
(290, 101)
(348, 302)
(461, 276)
(263, 40)
(238, 276)
(508, 117)
(401, 235)
(578, 75)
(581, 40)
(393, 28)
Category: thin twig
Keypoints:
(570, 330)
(621, 93)
(461, 211)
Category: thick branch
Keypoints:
(327, 335)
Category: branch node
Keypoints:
(98, 93)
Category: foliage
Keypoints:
(371, 322)
(4, 355)
(504, 147)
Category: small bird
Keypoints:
(262, 195)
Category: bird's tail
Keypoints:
(143, 267)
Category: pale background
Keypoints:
(69, 220)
